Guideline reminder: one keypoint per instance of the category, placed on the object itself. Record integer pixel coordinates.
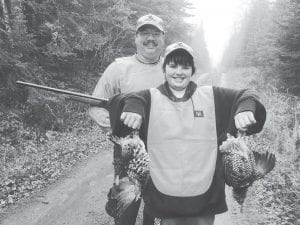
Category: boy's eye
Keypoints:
(186, 67)
(172, 65)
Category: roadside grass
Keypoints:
(275, 197)
(28, 166)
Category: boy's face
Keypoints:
(178, 76)
(149, 42)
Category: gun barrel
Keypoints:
(101, 101)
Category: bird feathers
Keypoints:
(129, 192)
(265, 162)
(243, 166)
(135, 164)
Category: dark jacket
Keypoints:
(228, 103)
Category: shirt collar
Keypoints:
(144, 61)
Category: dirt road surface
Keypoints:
(77, 198)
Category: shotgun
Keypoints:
(79, 97)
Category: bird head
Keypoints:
(130, 145)
(234, 145)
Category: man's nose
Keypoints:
(150, 37)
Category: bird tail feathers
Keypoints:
(265, 162)
(129, 193)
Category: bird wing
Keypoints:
(129, 192)
(265, 162)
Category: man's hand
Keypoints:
(243, 120)
(132, 120)
(101, 117)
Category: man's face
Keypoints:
(178, 76)
(149, 42)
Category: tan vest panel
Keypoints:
(182, 143)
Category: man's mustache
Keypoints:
(150, 42)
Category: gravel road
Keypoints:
(77, 198)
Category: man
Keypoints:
(136, 72)
(133, 73)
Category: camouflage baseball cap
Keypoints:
(178, 45)
(150, 20)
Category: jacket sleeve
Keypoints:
(229, 102)
(108, 84)
(132, 102)
(249, 101)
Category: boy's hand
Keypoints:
(132, 120)
(243, 120)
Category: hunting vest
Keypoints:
(182, 143)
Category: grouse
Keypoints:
(135, 163)
(243, 166)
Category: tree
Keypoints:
(198, 43)
(286, 17)
(268, 39)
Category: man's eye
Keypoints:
(145, 33)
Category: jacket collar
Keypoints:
(190, 89)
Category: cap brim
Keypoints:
(168, 53)
(150, 24)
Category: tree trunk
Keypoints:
(2, 17)
(28, 12)
(5, 14)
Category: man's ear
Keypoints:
(135, 35)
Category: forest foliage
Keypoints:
(67, 44)
(264, 54)
(268, 37)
